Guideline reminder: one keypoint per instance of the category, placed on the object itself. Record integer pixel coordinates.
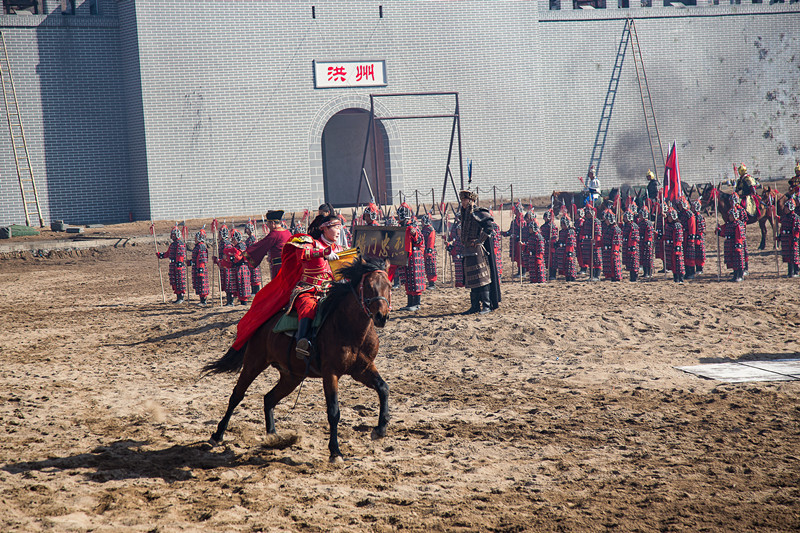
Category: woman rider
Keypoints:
(304, 278)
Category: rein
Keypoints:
(366, 303)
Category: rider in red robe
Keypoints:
(304, 278)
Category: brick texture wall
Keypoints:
(171, 109)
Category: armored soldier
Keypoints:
(612, 248)
(514, 235)
(565, 249)
(480, 268)
(415, 268)
(456, 250)
(550, 234)
(199, 263)
(794, 182)
(646, 235)
(255, 271)
(177, 264)
(592, 243)
(734, 244)
(790, 234)
(536, 266)
(630, 238)
(429, 236)
(498, 247)
(688, 223)
(673, 246)
(699, 239)
(747, 186)
(233, 258)
(371, 215)
(227, 277)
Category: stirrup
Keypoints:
(303, 349)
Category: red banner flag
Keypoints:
(214, 226)
(672, 176)
(152, 228)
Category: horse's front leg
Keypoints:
(330, 384)
(373, 380)
(763, 225)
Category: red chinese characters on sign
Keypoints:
(337, 74)
(365, 72)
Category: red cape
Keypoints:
(273, 297)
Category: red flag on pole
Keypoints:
(152, 228)
(672, 176)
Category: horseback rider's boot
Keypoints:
(484, 299)
(475, 303)
(303, 348)
(690, 272)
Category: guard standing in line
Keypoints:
(429, 236)
(673, 246)
(199, 263)
(699, 238)
(177, 264)
(612, 248)
(646, 234)
(456, 250)
(255, 271)
(415, 267)
(480, 268)
(630, 237)
(790, 233)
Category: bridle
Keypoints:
(366, 303)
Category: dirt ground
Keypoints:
(561, 411)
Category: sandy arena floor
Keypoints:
(561, 411)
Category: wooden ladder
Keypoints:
(27, 185)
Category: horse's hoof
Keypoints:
(213, 441)
(378, 433)
(336, 459)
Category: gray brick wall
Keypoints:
(175, 109)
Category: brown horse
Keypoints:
(346, 344)
(771, 208)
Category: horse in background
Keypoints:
(772, 208)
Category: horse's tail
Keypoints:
(230, 362)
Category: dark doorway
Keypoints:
(342, 150)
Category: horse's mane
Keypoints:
(351, 277)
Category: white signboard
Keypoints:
(342, 74)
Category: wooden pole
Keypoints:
(160, 275)
(716, 219)
(186, 244)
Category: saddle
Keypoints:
(752, 204)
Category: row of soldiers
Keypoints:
(238, 278)
(595, 243)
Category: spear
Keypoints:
(214, 265)
(160, 275)
(716, 219)
(185, 232)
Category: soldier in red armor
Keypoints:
(227, 279)
(270, 246)
(734, 244)
(199, 264)
(414, 271)
(536, 266)
(371, 215)
(673, 246)
(177, 264)
(794, 182)
(456, 250)
(550, 234)
(234, 260)
(429, 236)
(255, 271)
(789, 237)
(630, 240)
(699, 238)
(688, 223)
(565, 249)
(513, 233)
(646, 235)
(592, 244)
(612, 247)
